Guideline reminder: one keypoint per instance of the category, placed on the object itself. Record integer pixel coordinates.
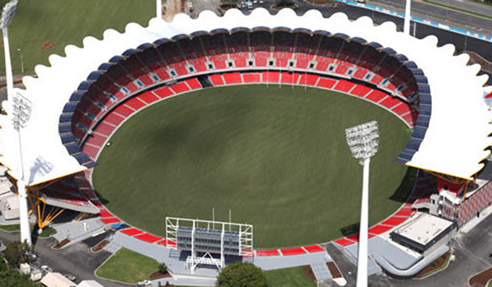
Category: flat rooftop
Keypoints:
(424, 228)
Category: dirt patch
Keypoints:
(435, 265)
(335, 272)
(481, 279)
(62, 243)
(158, 275)
(308, 272)
(98, 247)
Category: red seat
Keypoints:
(148, 97)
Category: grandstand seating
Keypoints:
(292, 251)
(166, 68)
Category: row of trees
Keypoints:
(12, 257)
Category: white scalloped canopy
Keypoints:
(454, 144)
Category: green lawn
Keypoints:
(128, 267)
(276, 157)
(290, 277)
(10, 228)
(64, 22)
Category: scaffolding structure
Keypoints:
(205, 238)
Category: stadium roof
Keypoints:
(454, 144)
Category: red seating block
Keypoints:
(314, 248)
(148, 97)
(110, 220)
(180, 88)
(390, 102)
(252, 78)
(135, 103)
(309, 80)
(360, 90)
(146, 80)
(401, 109)
(394, 221)
(131, 231)
(166, 242)
(344, 86)
(270, 77)
(162, 74)
(379, 229)
(97, 139)
(105, 128)
(326, 83)
(233, 78)
(147, 237)
(216, 80)
(292, 251)
(132, 87)
(376, 96)
(164, 92)
(122, 110)
(290, 78)
(194, 83)
(404, 212)
(105, 213)
(273, 252)
(360, 73)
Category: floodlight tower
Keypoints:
(406, 21)
(7, 15)
(21, 114)
(158, 8)
(363, 142)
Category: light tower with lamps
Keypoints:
(158, 8)
(408, 16)
(363, 141)
(21, 114)
(7, 15)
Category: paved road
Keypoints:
(76, 259)
(464, 43)
(449, 16)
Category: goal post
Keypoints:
(205, 238)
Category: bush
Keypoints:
(241, 274)
(17, 253)
(163, 268)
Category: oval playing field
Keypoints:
(276, 156)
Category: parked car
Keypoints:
(46, 269)
(145, 283)
(70, 277)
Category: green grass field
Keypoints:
(276, 157)
(289, 277)
(128, 267)
(64, 22)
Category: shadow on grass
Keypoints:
(101, 198)
(405, 189)
(350, 229)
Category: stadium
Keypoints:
(244, 114)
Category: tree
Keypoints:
(163, 268)
(3, 264)
(241, 274)
(17, 253)
(12, 278)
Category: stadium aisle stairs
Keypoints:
(321, 271)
